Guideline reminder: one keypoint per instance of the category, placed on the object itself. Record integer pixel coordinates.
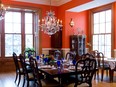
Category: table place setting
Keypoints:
(45, 67)
(71, 67)
(111, 61)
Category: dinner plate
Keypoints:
(71, 67)
(45, 67)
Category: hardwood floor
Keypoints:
(7, 80)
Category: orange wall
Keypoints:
(62, 14)
(80, 24)
(114, 39)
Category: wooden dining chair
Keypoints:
(94, 53)
(87, 55)
(102, 65)
(19, 70)
(84, 71)
(28, 76)
(70, 55)
(39, 77)
(57, 55)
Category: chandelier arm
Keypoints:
(50, 25)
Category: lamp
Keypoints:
(49, 24)
(2, 10)
(71, 23)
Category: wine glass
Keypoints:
(74, 62)
(45, 60)
(58, 63)
(37, 57)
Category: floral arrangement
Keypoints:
(48, 59)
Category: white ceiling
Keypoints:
(89, 5)
(46, 2)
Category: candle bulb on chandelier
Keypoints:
(42, 20)
(58, 21)
(2, 5)
(38, 21)
(61, 22)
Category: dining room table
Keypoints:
(111, 61)
(53, 71)
(112, 64)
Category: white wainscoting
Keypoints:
(65, 50)
(46, 50)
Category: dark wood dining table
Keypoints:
(54, 72)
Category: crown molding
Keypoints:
(46, 2)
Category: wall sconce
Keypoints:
(71, 23)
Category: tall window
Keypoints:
(12, 33)
(102, 32)
(28, 30)
(19, 32)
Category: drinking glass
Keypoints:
(58, 63)
(45, 60)
(37, 57)
(29, 55)
(74, 62)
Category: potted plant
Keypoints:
(29, 51)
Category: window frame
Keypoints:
(2, 30)
(99, 9)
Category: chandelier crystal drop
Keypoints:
(2, 10)
(49, 24)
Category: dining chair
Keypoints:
(94, 55)
(38, 77)
(57, 55)
(19, 70)
(94, 52)
(28, 76)
(87, 55)
(103, 66)
(70, 55)
(84, 71)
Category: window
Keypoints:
(28, 30)
(102, 32)
(12, 33)
(18, 32)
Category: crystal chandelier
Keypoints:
(2, 10)
(49, 24)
